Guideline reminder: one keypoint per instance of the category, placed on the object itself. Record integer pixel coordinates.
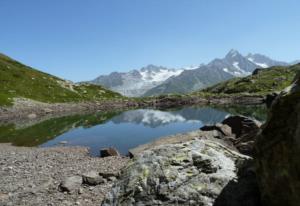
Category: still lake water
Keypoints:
(122, 130)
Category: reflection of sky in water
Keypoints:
(136, 127)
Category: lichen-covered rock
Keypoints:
(278, 150)
(191, 173)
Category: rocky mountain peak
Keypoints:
(232, 54)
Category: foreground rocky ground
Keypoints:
(204, 167)
(32, 176)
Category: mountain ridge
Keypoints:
(184, 80)
(218, 70)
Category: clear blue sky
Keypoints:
(81, 39)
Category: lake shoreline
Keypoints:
(34, 175)
(25, 109)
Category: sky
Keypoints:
(81, 39)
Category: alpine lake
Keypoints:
(122, 130)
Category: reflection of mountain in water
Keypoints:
(155, 118)
(44, 131)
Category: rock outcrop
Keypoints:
(278, 150)
(203, 172)
(245, 131)
(239, 131)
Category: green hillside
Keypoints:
(19, 80)
(265, 81)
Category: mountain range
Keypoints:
(156, 80)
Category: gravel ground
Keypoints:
(31, 176)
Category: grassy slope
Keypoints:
(18, 80)
(266, 81)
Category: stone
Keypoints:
(203, 170)
(80, 191)
(278, 150)
(92, 178)
(32, 116)
(112, 178)
(70, 184)
(108, 174)
(47, 110)
(106, 152)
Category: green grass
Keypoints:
(269, 80)
(19, 80)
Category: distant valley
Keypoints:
(156, 80)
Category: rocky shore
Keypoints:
(68, 176)
(34, 176)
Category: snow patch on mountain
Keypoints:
(236, 65)
(262, 65)
(160, 75)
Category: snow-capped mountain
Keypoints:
(136, 82)
(232, 65)
(264, 61)
(155, 80)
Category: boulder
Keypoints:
(71, 184)
(106, 152)
(222, 128)
(241, 125)
(278, 150)
(196, 172)
(92, 178)
(245, 131)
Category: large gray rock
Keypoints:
(71, 184)
(278, 150)
(92, 178)
(197, 172)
